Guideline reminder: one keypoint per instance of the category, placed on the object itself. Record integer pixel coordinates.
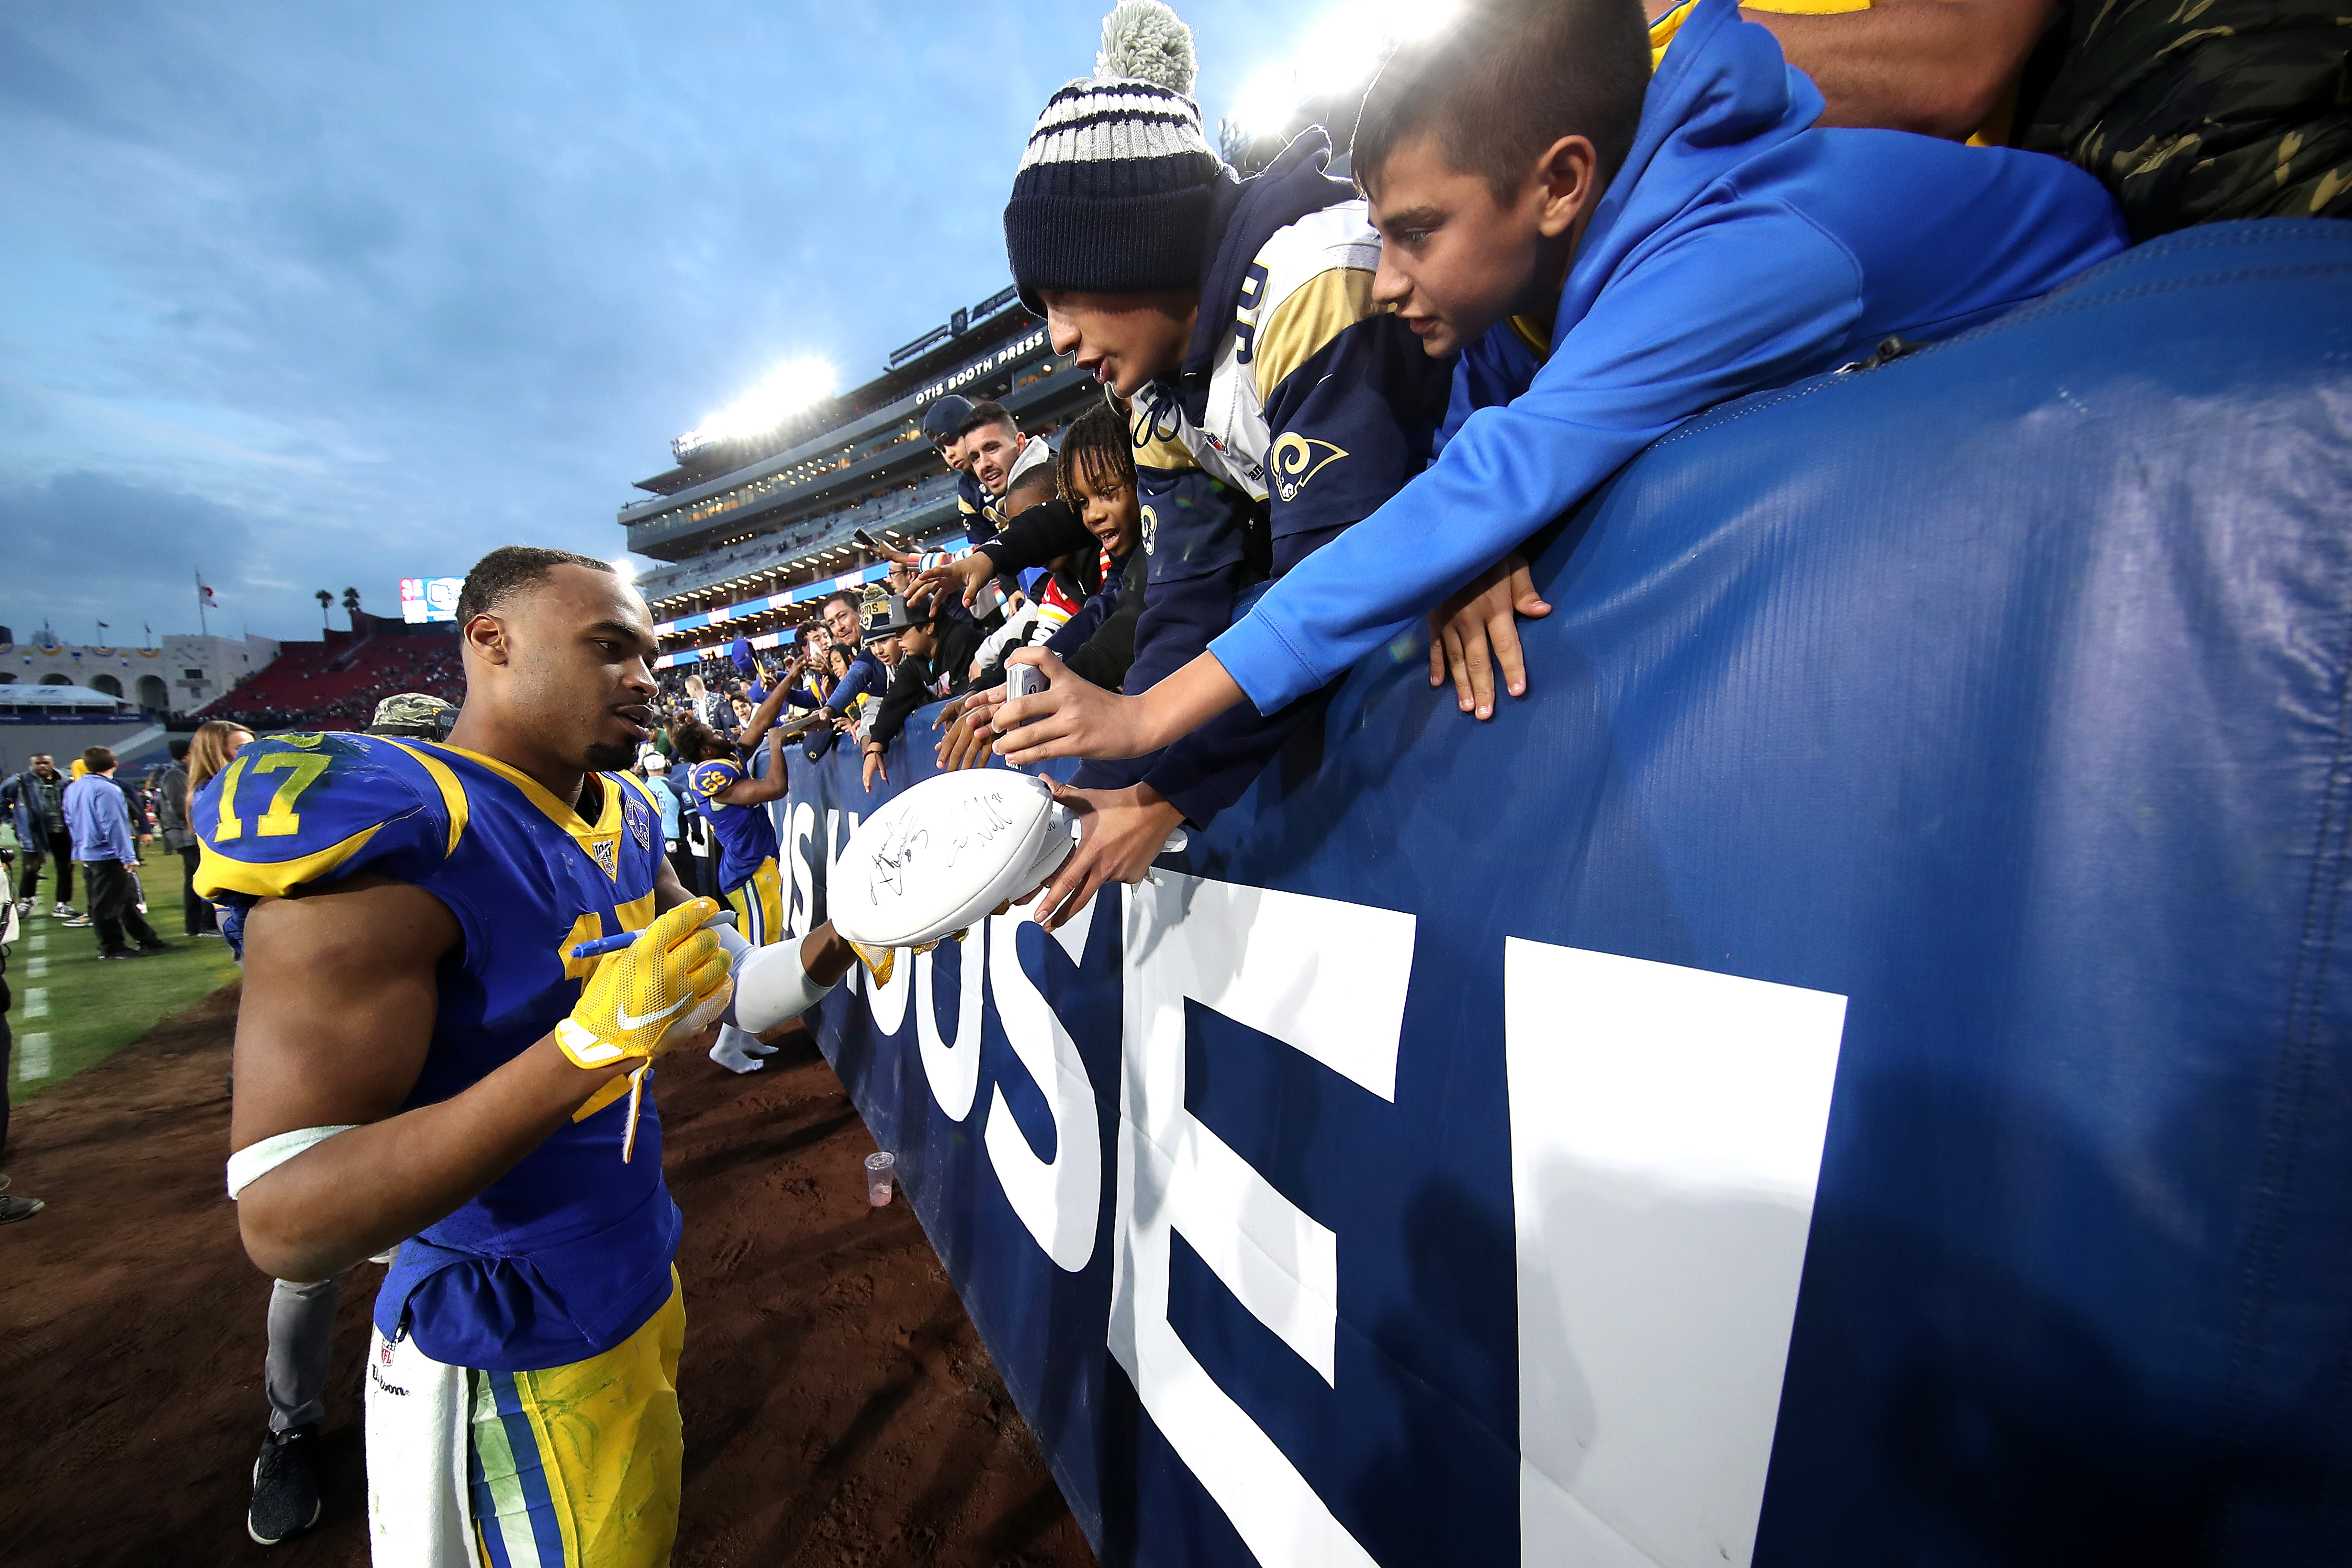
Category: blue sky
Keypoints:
(318, 296)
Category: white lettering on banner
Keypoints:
(1328, 979)
(1666, 1128)
(1060, 1200)
(835, 840)
(801, 918)
(953, 1070)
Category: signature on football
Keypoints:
(984, 821)
(901, 849)
(891, 857)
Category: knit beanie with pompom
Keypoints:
(1116, 189)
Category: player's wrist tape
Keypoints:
(255, 1161)
(773, 988)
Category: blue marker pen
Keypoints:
(605, 944)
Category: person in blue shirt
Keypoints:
(98, 817)
(425, 1060)
(1612, 252)
(653, 767)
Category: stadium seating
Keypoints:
(336, 683)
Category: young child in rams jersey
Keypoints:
(1615, 252)
(1237, 316)
(423, 1058)
(722, 785)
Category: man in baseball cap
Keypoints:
(943, 423)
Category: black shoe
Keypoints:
(154, 947)
(119, 952)
(13, 1209)
(285, 1486)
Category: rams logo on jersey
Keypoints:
(1150, 529)
(1296, 460)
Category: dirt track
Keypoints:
(839, 1408)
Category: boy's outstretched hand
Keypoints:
(1476, 631)
(1120, 832)
(1074, 717)
(961, 577)
(965, 745)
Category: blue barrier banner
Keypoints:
(1853, 1069)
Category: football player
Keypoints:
(424, 1059)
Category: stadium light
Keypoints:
(1341, 50)
(625, 567)
(787, 389)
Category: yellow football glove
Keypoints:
(660, 989)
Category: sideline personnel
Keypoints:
(98, 814)
(422, 1061)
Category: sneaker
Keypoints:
(79, 922)
(65, 913)
(117, 952)
(155, 947)
(25, 908)
(285, 1486)
(14, 1209)
(200, 935)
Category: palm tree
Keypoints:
(325, 599)
(351, 606)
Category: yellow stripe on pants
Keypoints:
(759, 905)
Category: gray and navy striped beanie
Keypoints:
(1115, 191)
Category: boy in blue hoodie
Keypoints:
(1614, 255)
(1275, 403)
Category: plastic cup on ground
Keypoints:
(879, 1170)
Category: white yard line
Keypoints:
(36, 1002)
(32, 1057)
(36, 969)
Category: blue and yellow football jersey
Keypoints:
(746, 833)
(568, 1253)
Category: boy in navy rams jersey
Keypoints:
(1237, 317)
(424, 1060)
(1613, 252)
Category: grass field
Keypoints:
(72, 1011)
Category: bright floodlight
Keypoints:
(788, 388)
(1339, 53)
(1267, 102)
(625, 567)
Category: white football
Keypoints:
(944, 854)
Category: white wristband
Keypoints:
(772, 989)
(255, 1161)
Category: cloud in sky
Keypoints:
(310, 297)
